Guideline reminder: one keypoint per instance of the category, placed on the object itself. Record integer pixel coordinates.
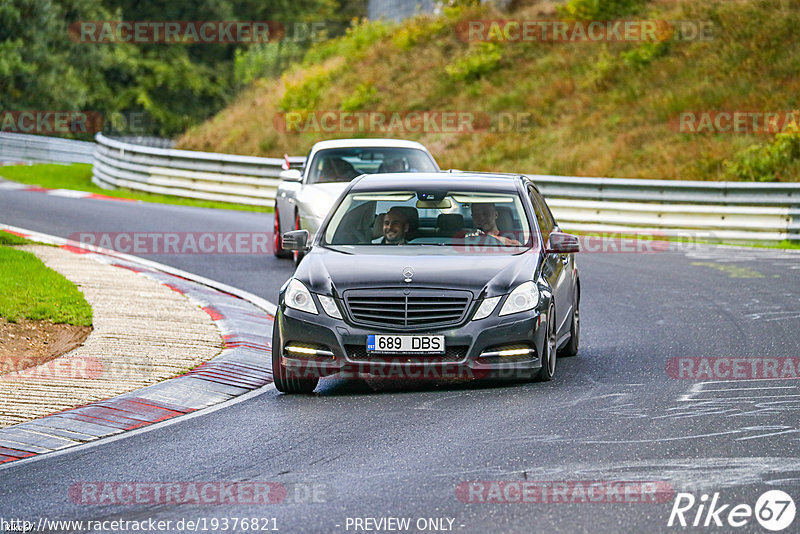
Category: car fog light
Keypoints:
(296, 350)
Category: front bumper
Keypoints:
(471, 348)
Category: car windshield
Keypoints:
(344, 164)
(476, 220)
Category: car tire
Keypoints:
(298, 255)
(549, 355)
(285, 380)
(571, 348)
(278, 237)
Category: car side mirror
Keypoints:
(295, 240)
(561, 243)
(291, 175)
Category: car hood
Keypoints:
(320, 197)
(324, 269)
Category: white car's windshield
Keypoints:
(344, 164)
(443, 218)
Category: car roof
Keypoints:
(437, 180)
(368, 143)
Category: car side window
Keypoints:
(548, 214)
(543, 217)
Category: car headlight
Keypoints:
(298, 297)
(525, 297)
(486, 308)
(330, 307)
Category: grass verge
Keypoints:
(7, 238)
(78, 177)
(31, 290)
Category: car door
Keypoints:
(555, 268)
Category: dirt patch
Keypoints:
(29, 343)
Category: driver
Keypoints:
(395, 227)
(484, 217)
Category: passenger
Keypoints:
(395, 227)
(484, 217)
(393, 165)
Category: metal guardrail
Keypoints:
(725, 211)
(24, 148)
(671, 191)
(730, 211)
(185, 173)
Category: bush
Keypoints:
(364, 95)
(599, 9)
(359, 36)
(766, 163)
(644, 54)
(418, 30)
(307, 93)
(265, 59)
(478, 61)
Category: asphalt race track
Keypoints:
(380, 449)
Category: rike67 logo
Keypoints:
(774, 510)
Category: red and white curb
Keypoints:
(245, 322)
(67, 193)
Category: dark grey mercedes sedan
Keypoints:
(430, 275)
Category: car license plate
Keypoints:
(383, 344)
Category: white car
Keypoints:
(304, 197)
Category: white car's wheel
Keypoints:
(278, 239)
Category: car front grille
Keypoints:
(407, 309)
(358, 353)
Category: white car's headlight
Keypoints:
(525, 297)
(330, 307)
(298, 297)
(486, 308)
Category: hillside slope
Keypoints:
(577, 108)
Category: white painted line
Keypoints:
(748, 389)
(129, 433)
(68, 193)
(13, 186)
